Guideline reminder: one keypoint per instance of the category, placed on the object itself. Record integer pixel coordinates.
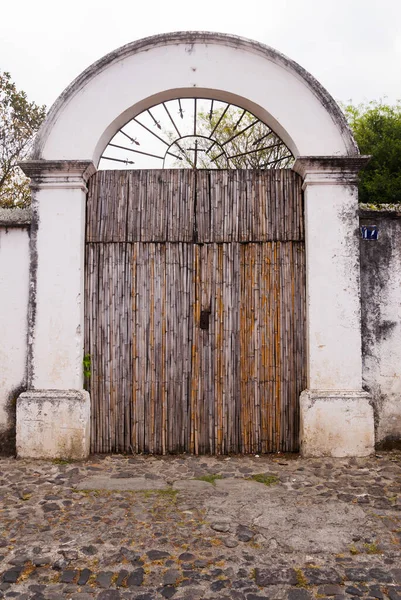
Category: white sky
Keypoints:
(353, 47)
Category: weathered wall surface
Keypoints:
(381, 322)
(14, 284)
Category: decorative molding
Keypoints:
(336, 394)
(330, 170)
(58, 174)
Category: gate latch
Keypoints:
(204, 319)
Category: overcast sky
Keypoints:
(353, 47)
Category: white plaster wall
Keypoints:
(14, 285)
(58, 337)
(381, 331)
(87, 116)
(333, 298)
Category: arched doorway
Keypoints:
(195, 285)
(336, 417)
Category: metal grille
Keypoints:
(196, 133)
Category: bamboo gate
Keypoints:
(195, 310)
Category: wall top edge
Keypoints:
(380, 210)
(15, 217)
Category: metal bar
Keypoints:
(133, 140)
(211, 110)
(218, 156)
(239, 121)
(154, 120)
(181, 112)
(137, 151)
(278, 160)
(217, 124)
(172, 120)
(233, 138)
(219, 121)
(179, 148)
(150, 131)
(145, 153)
(256, 150)
(262, 138)
(196, 154)
(175, 155)
(195, 109)
(226, 157)
(224, 153)
(240, 132)
(129, 162)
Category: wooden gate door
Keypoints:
(195, 310)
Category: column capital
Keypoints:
(330, 170)
(61, 174)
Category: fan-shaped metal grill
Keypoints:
(196, 133)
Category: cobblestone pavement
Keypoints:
(241, 528)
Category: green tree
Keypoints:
(19, 121)
(377, 130)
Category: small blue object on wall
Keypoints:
(369, 232)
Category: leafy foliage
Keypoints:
(19, 121)
(377, 130)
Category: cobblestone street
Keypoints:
(241, 528)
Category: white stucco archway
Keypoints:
(123, 83)
(336, 417)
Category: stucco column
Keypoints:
(336, 415)
(53, 415)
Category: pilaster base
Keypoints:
(53, 424)
(336, 423)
